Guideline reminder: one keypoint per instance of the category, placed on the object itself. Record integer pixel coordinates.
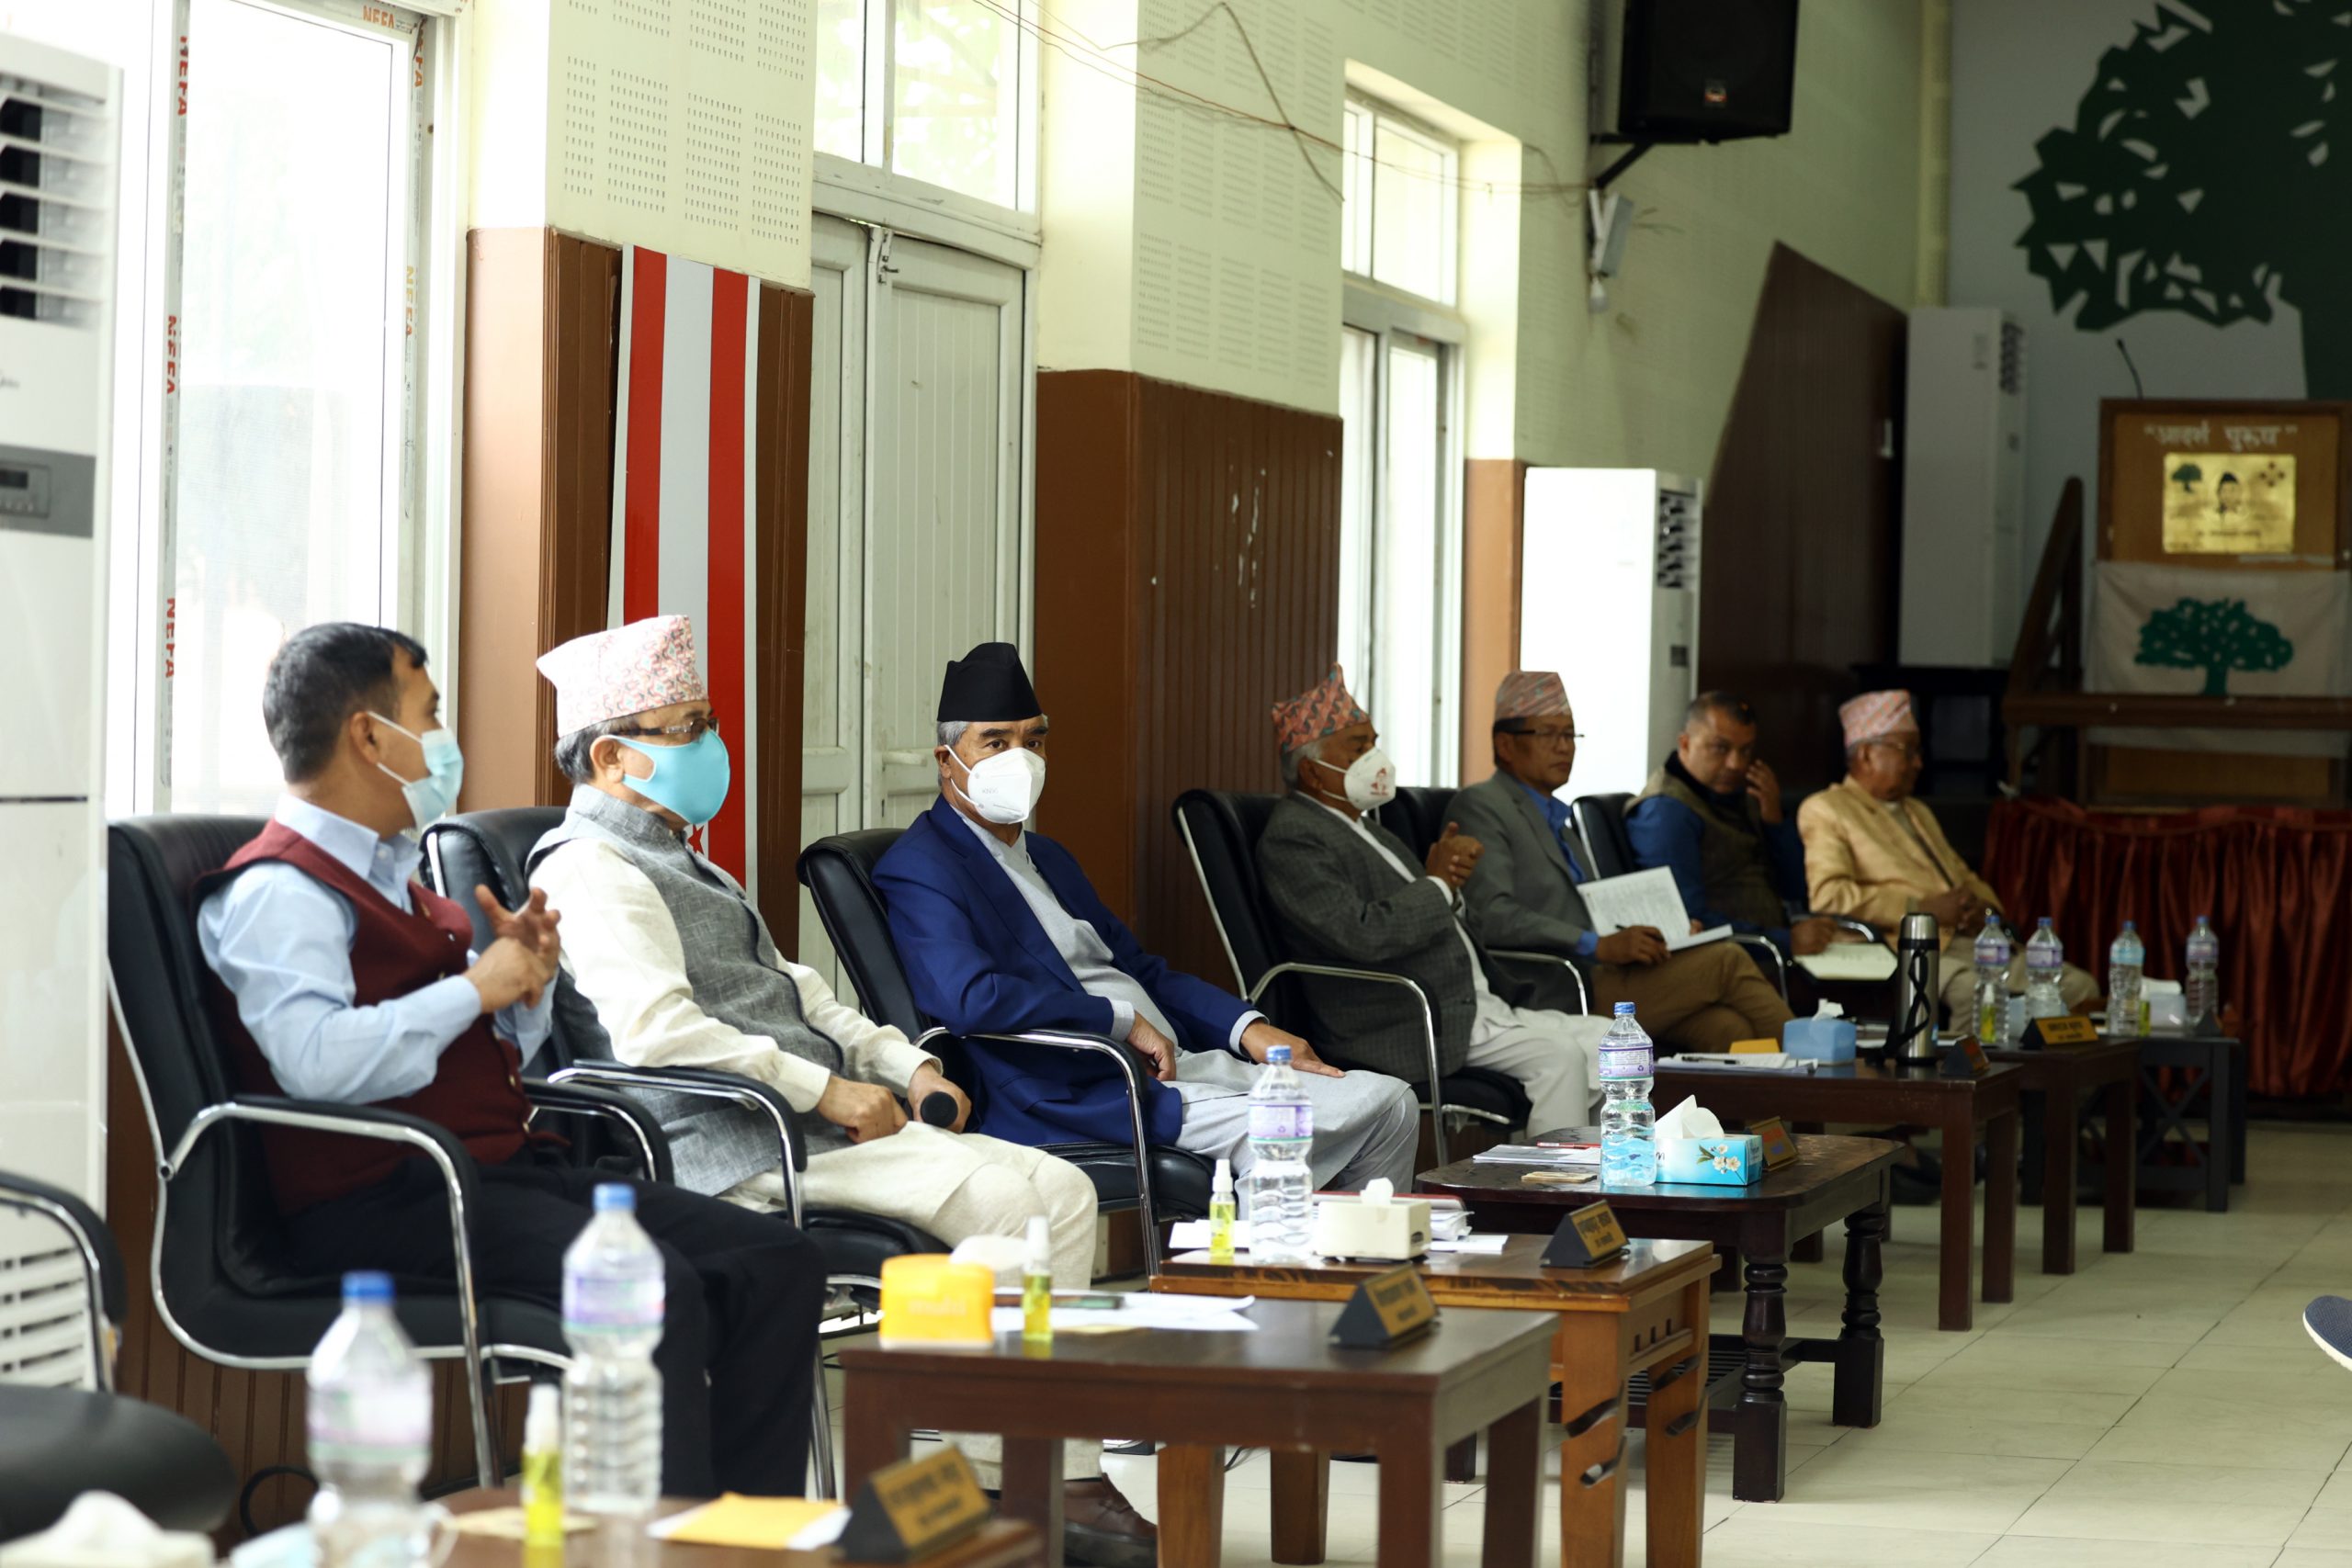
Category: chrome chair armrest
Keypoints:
(1767, 958)
(578, 1099)
(1847, 923)
(1523, 955)
(705, 1083)
(437, 1143)
(1130, 1064)
(94, 1245)
(1381, 977)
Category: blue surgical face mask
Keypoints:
(434, 795)
(691, 780)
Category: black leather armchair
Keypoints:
(223, 1284)
(1417, 815)
(1157, 1181)
(57, 1443)
(1221, 829)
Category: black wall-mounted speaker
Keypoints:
(1706, 70)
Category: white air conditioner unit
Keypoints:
(1609, 597)
(59, 118)
(1964, 488)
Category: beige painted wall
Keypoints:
(1222, 219)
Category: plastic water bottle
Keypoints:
(2127, 1001)
(612, 1301)
(2202, 988)
(371, 1434)
(2045, 962)
(1628, 1064)
(1992, 954)
(1281, 1187)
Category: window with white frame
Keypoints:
(293, 462)
(929, 89)
(1400, 368)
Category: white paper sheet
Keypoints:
(1145, 1309)
(1850, 961)
(1528, 1153)
(1645, 899)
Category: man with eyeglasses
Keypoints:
(1873, 851)
(1524, 895)
(667, 962)
(1712, 815)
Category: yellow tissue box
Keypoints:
(928, 1300)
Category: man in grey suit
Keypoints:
(1346, 891)
(1523, 892)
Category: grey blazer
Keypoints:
(1521, 895)
(1336, 901)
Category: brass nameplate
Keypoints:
(2070, 1030)
(1589, 1235)
(1965, 1059)
(913, 1509)
(1780, 1149)
(1387, 1309)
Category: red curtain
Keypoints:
(2277, 881)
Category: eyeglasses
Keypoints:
(688, 733)
(1548, 737)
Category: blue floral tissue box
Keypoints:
(1727, 1159)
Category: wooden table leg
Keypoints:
(1032, 1490)
(2060, 1141)
(1953, 1314)
(1461, 1460)
(1302, 1504)
(1860, 1368)
(1412, 1499)
(870, 1437)
(1191, 1505)
(1588, 1352)
(2224, 1131)
(2122, 1163)
(1514, 1488)
(1815, 1247)
(1674, 1462)
(1759, 1460)
(2001, 1208)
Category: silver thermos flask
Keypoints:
(1911, 1037)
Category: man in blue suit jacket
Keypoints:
(1001, 933)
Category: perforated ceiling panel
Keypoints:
(684, 125)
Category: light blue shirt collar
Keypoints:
(386, 864)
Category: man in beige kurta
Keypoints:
(1873, 851)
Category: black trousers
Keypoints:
(743, 1295)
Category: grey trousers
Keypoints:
(1366, 1124)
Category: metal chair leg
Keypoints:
(820, 1438)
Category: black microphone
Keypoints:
(937, 1110)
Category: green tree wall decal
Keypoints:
(2200, 176)
(2216, 636)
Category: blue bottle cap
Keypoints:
(366, 1285)
(2131, 925)
(615, 1196)
(2045, 922)
(1624, 1010)
(1277, 1055)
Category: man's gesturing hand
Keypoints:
(1454, 856)
(1154, 1047)
(1765, 785)
(523, 953)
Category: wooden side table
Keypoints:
(1963, 1110)
(2191, 1116)
(1645, 1314)
(1281, 1387)
(1833, 1179)
(2065, 1076)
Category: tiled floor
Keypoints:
(2156, 1409)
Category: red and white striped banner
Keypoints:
(684, 466)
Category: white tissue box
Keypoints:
(1727, 1159)
(1394, 1232)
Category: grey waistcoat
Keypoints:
(734, 972)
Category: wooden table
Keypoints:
(1872, 1095)
(2186, 1079)
(2065, 1076)
(1833, 1179)
(1645, 1314)
(1001, 1543)
(1285, 1387)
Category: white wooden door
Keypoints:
(947, 563)
(833, 690)
(917, 543)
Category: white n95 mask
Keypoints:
(1004, 788)
(1370, 781)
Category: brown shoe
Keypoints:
(1102, 1528)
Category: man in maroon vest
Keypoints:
(341, 978)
